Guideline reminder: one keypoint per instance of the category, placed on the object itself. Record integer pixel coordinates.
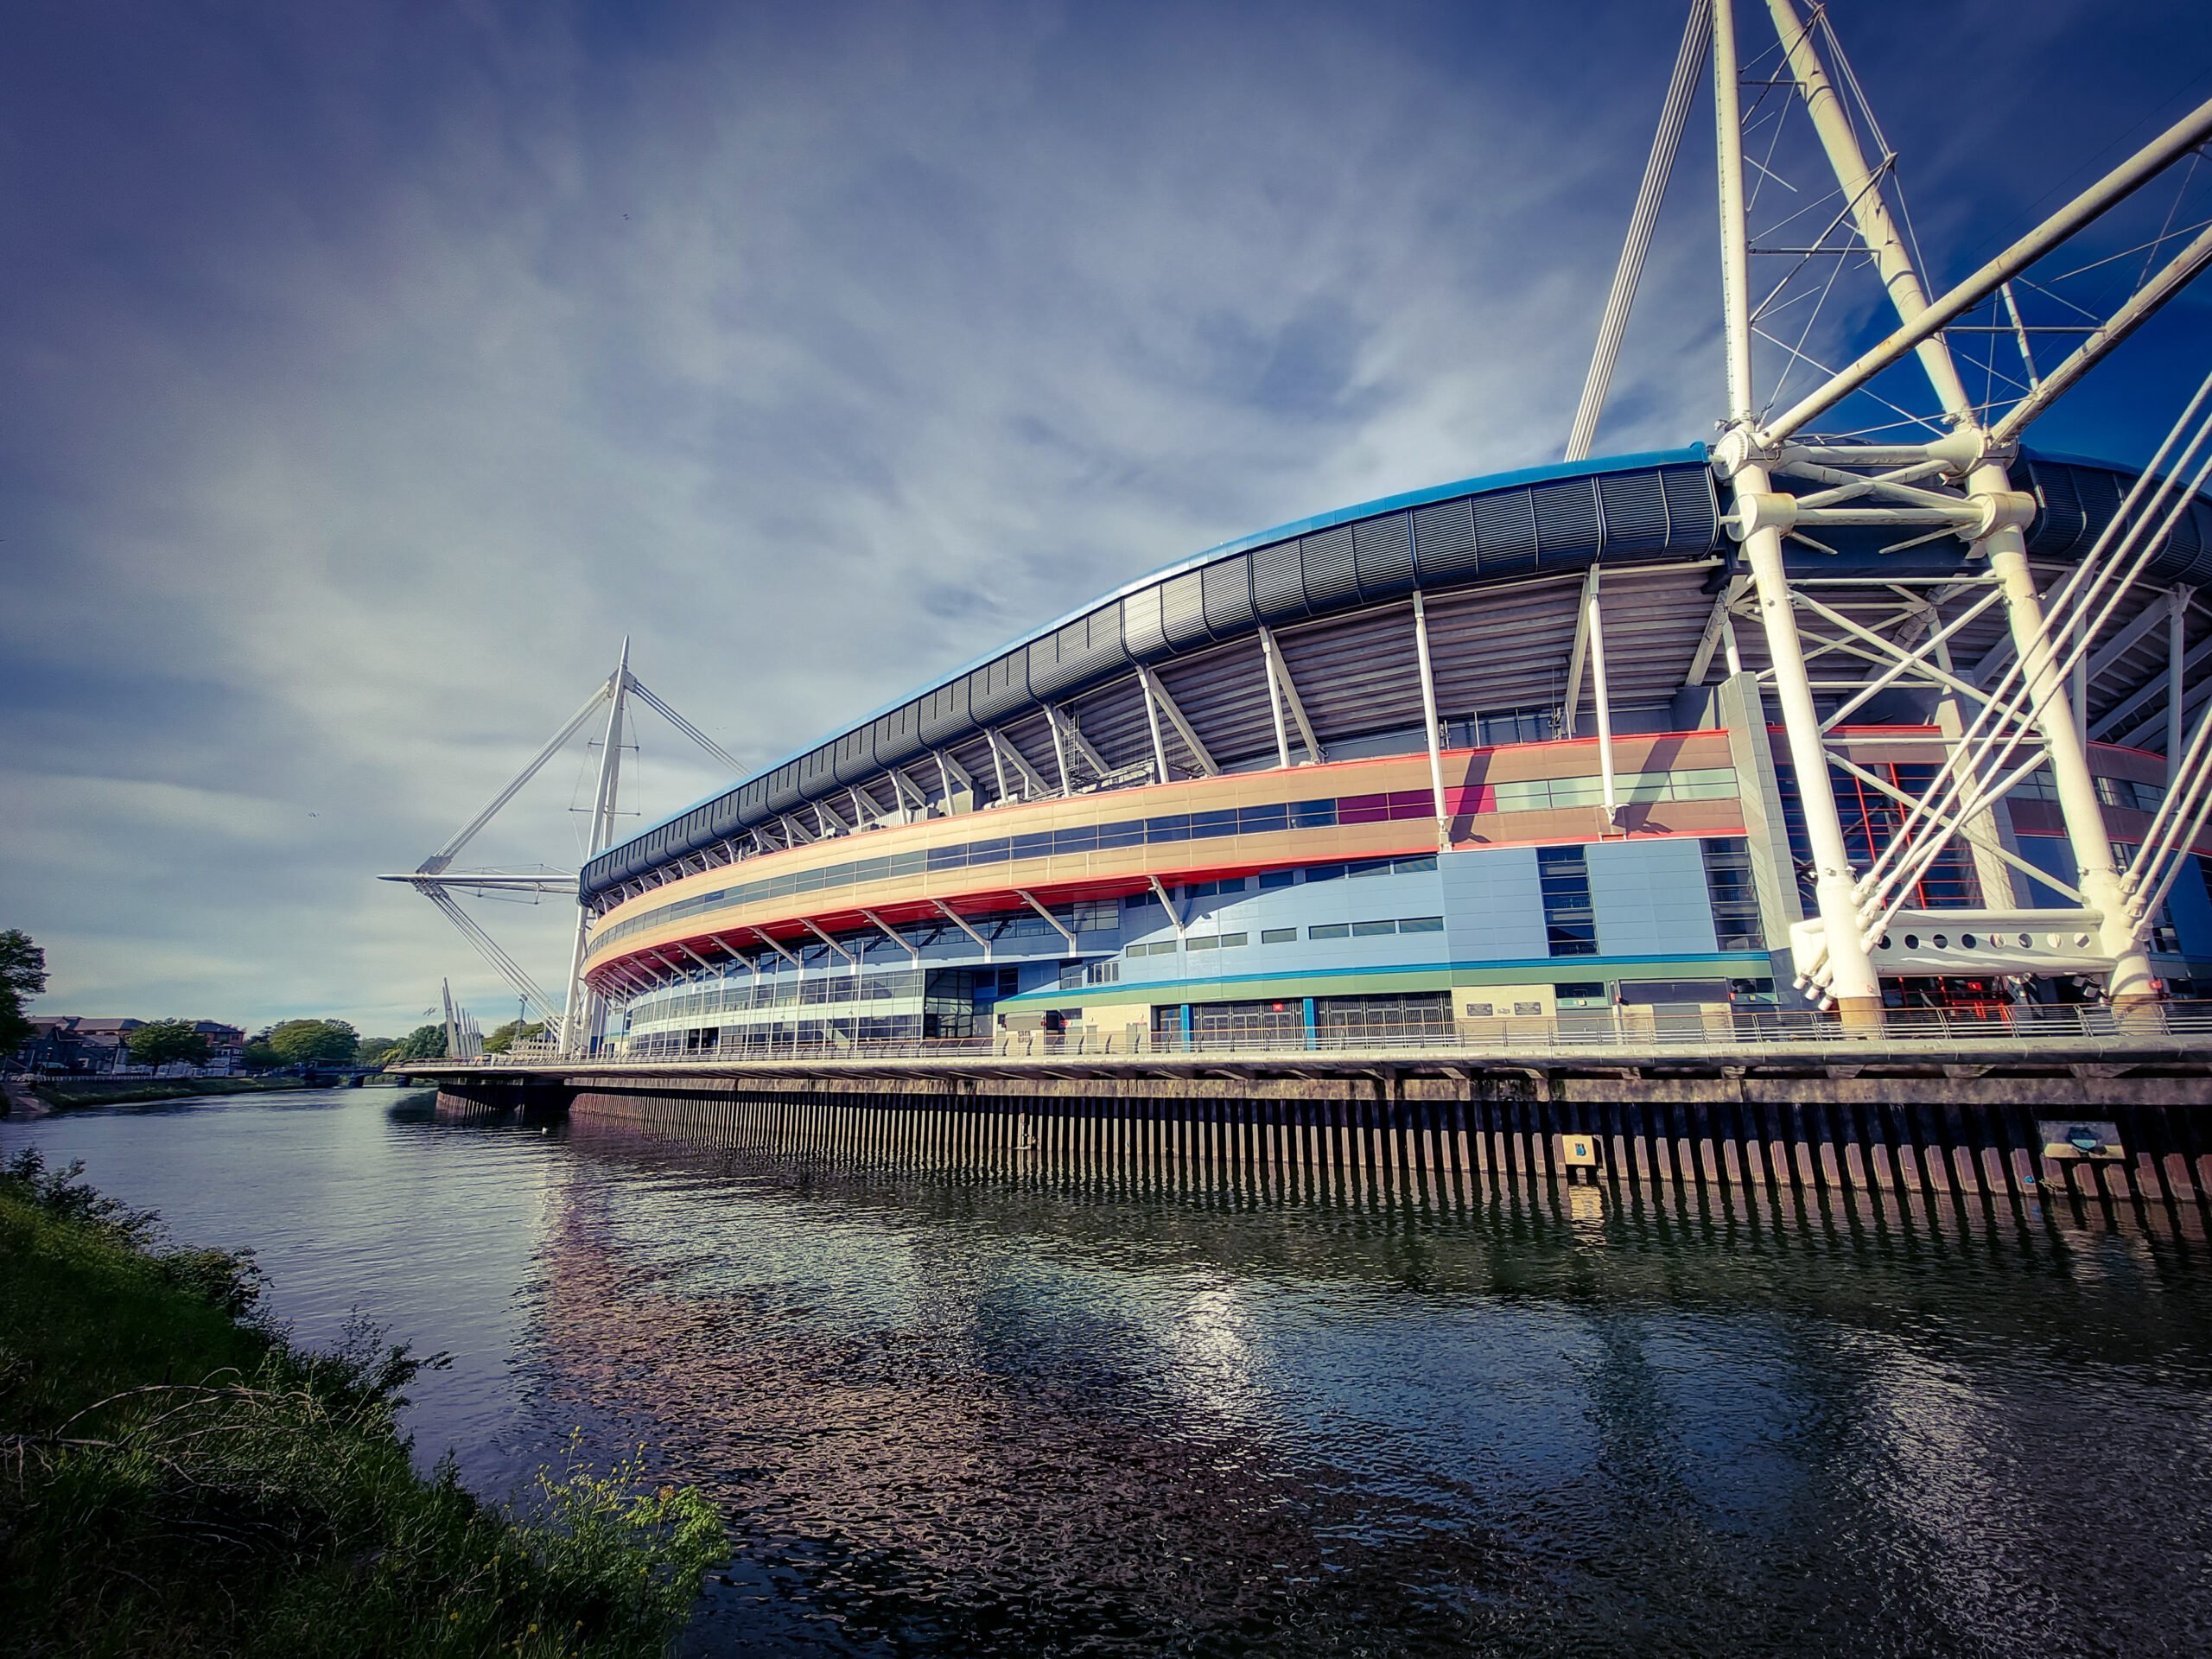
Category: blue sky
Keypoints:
(374, 370)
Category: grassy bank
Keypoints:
(78, 1091)
(177, 1478)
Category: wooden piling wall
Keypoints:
(1384, 1138)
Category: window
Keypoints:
(1513, 725)
(1369, 930)
(1161, 948)
(1328, 931)
(1324, 872)
(1420, 924)
(1217, 942)
(1095, 915)
(1871, 821)
(1139, 900)
(1734, 898)
(1570, 919)
(1277, 936)
(1270, 880)
(1091, 973)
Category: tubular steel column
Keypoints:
(2091, 842)
(1428, 713)
(1852, 984)
(573, 1022)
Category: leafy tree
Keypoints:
(307, 1042)
(162, 1041)
(374, 1049)
(423, 1043)
(513, 1032)
(22, 975)
(259, 1057)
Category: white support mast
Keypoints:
(578, 995)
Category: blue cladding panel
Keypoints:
(2047, 853)
(1493, 911)
(2191, 908)
(1651, 898)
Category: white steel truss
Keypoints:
(1834, 647)
(573, 1015)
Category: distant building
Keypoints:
(91, 1046)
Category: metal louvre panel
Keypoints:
(854, 754)
(1492, 651)
(944, 713)
(1332, 571)
(752, 800)
(998, 689)
(1088, 647)
(1357, 675)
(1568, 528)
(1278, 583)
(1113, 719)
(899, 735)
(1444, 541)
(1635, 509)
(1693, 508)
(1227, 590)
(1143, 634)
(725, 816)
(1224, 697)
(783, 787)
(1505, 532)
(1183, 610)
(1383, 553)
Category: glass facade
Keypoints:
(1570, 918)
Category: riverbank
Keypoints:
(183, 1480)
(65, 1093)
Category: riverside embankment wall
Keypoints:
(1386, 1131)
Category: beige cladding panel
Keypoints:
(1190, 860)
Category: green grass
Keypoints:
(175, 1479)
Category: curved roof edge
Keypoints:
(1405, 499)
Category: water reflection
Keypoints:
(1037, 1414)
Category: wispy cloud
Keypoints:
(373, 372)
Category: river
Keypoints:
(966, 1416)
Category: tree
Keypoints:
(162, 1042)
(22, 975)
(259, 1057)
(423, 1043)
(373, 1050)
(513, 1032)
(310, 1042)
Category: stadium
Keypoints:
(1503, 749)
(1866, 712)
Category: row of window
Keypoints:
(2124, 792)
(1289, 935)
(1709, 783)
(1570, 917)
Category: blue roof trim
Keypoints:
(1696, 452)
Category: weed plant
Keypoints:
(176, 1478)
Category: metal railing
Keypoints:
(1717, 1029)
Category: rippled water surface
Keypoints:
(1009, 1415)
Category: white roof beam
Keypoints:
(1158, 693)
(961, 922)
(1030, 899)
(836, 949)
(1288, 686)
(893, 935)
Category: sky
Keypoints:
(372, 371)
